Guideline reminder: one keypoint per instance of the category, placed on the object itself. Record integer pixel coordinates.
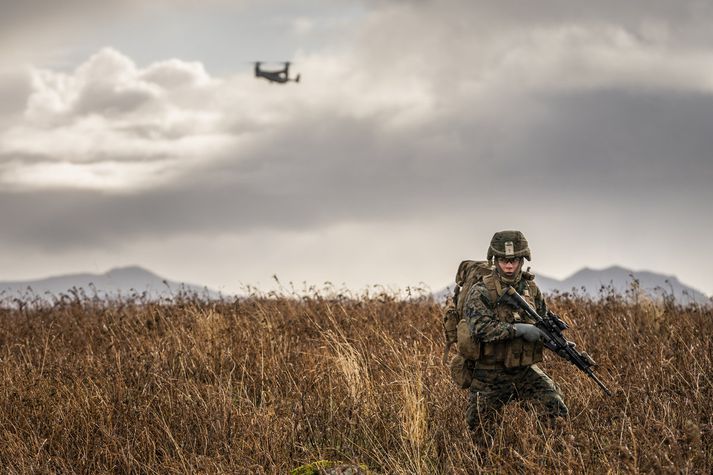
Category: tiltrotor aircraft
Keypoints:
(281, 76)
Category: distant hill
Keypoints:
(120, 281)
(590, 281)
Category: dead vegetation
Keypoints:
(269, 383)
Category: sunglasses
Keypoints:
(508, 260)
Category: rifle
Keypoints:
(551, 327)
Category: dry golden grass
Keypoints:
(267, 383)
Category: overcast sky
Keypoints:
(138, 135)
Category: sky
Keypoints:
(138, 135)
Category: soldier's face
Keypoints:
(509, 266)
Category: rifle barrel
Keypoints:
(598, 381)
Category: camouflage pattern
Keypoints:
(491, 324)
(492, 387)
(469, 272)
(509, 244)
(479, 312)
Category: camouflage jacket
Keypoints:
(490, 324)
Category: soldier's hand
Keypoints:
(527, 331)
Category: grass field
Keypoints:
(267, 383)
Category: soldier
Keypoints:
(509, 344)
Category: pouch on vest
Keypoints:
(513, 355)
(467, 347)
(461, 371)
(515, 352)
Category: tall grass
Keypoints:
(267, 383)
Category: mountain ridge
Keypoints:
(115, 282)
(128, 280)
(592, 281)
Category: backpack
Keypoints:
(468, 274)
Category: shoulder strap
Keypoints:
(495, 290)
(521, 286)
(532, 287)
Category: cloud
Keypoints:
(109, 110)
(100, 124)
(484, 48)
(109, 84)
(472, 115)
(311, 175)
(15, 87)
(174, 74)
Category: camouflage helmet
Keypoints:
(508, 244)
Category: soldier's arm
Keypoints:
(481, 318)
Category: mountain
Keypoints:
(120, 281)
(590, 281)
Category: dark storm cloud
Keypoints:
(632, 139)
(612, 147)
(628, 138)
(303, 179)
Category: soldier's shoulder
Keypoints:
(476, 288)
(478, 292)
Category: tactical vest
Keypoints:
(511, 353)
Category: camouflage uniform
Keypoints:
(498, 377)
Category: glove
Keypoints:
(528, 332)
